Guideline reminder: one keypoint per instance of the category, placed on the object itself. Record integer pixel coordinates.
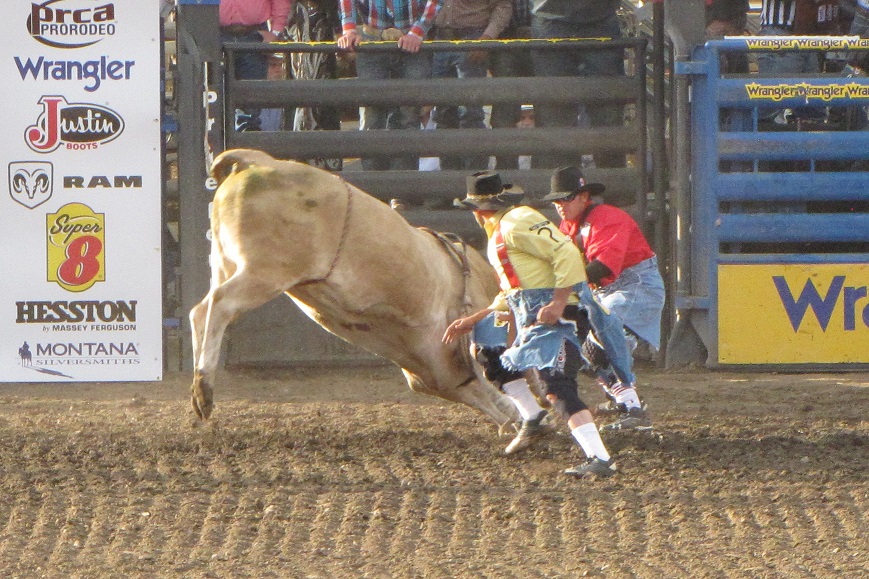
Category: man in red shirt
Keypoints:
(624, 270)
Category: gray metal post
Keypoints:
(198, 50)
(685, 25)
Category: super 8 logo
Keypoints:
(76, 247)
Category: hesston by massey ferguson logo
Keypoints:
(76, 247)
(78, 126)
(70, 24)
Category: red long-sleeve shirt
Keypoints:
(611, 236)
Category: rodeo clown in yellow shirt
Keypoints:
(541, 274)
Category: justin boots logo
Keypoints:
(71, 23)
(76, 126)
(31, 182)
(76, 247)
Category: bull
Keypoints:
(352, 264)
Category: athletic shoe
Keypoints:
(633, 419)
(594, 467)
(611, 408)
(531, 431)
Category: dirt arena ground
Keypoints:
(346, 473)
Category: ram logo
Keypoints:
(31, 182)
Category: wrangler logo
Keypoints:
(822, 307)
(807, 91)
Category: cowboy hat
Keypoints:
(486, 191)
(567, 181)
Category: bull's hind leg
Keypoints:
(209, 320)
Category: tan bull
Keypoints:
(352, 264)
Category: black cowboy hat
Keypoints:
(567, 181)
(486, 192)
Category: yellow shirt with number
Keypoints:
(540, 254)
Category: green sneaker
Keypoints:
(633, 419)
(531, 431)
(594, 467)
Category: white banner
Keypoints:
(81, 290)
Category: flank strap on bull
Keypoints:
(450, 241)
(341, 241)
(458, 250)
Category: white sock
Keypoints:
(520, 393)
(589, 439)
(626, 394)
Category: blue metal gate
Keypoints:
(774, 241)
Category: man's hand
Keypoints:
(458, 328)
(462, 326)
(410, 43)
(348, 40)
(552, 312)
(268, 36)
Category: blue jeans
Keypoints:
(637, 298)
(248, 66)
(608, 328)
(459, 65)
(573, 62)
(385, 66)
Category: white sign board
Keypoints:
(80, 200)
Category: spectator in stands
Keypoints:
(511, 63)
(728, 18)
(316, 21)
(251, 21)
(466, 20)
(406, 22)
(795, 18)
(577, 19)
(860, 27)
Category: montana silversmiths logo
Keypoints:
(71, 23)
(76, 247)
(31, 182)
(25, 354)
(76, 126)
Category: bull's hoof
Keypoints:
(202, 397)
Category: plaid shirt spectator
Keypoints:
(413, 16)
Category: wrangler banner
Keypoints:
(793, 313)
(80, 206)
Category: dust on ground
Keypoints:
(323, 473)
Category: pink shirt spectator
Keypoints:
(252, 12)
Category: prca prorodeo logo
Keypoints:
(76, 247)
(76, 126)
(71, 23)
(31, 182)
